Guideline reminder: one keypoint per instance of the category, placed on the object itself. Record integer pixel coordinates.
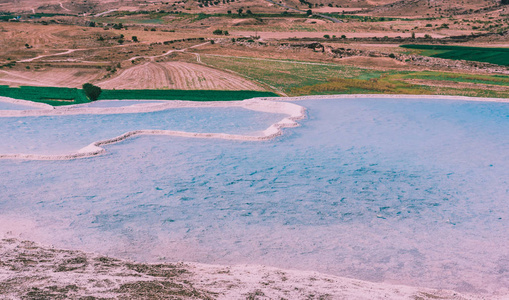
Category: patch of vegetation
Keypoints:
(158, 270)
(156, 290)
(296, 78)
(220, 32)
(455, 77)
(286, 75)
(51, 292)
(400, 83)
(498, 56)
(189, 95)
(72, 264)
(5, 16)
(370, 18)
(349, 85)
(91, 91)
(57, 96)
(201, 16)
(51, 95)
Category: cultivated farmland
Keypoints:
(498, 56)
(177, 75)
(68, 96)
(51, 95)
(58, 77)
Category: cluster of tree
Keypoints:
(91, 91)
(220, 32)
(213, 2)
(326, 36)
(304, 2)
(240, 11)
(181, 40)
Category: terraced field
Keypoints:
(177, 75)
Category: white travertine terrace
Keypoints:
(268, 104)
(386, 96)
(25, 102)
(294, 112)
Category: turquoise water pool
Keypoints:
(67, 134)
(119, 103)
(12, 106)
(403, 191)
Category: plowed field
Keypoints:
(58, 77)
(177, 75)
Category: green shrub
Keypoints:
(91, 91)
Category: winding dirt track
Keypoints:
(177, 75)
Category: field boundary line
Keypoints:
(198, 59)
(274, 60)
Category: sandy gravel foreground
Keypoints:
(31, 271)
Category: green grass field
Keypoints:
(190, 95)
(67, 96)
(287, 75)
(500, 80)
(55, 96)
(296, 78)
(498, 56)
